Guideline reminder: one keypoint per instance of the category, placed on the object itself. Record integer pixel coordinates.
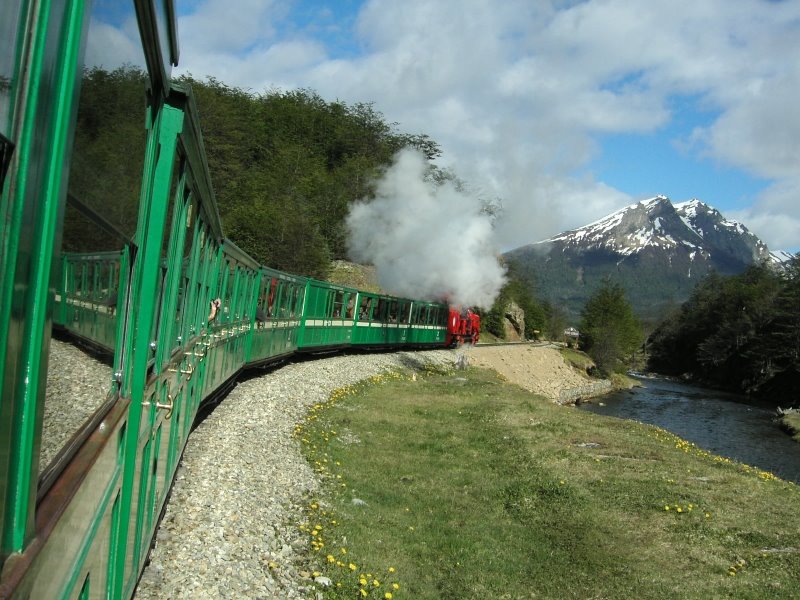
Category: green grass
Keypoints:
(577, 359)
(474, 488)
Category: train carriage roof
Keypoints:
(159, 30)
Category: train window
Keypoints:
(281, 300)
(10, 28)
(338, 305)
(405, 311)
(6, 149)
(351, 304)
(9, 31)
(187, 302)
(364, 309)
(100, 214)
(273, 288)
(297, 305)
(228, 297)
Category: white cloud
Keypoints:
(110, 47)
(219, 26)
(516, 91)
(774, 215)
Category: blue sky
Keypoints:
(566, 110)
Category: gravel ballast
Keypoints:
(230, 526)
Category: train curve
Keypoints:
(136, 273)
(203, 503)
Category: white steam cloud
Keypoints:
(426, 241)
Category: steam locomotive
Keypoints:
(139, 271)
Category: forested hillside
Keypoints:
(740, 333)
(286, 165)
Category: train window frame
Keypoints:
(350, 305)
(6, 151)
(297, 300)
(365, 308)
(338, 304)
(404, 312)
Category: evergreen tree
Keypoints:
(610, 332)
(740, 333)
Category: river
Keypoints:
(721, 423)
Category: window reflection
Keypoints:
(100, 217)
(9, 29)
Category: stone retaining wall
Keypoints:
(590, 390)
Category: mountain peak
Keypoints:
(651, 222)
(656, 249)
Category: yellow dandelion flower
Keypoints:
(363, 592)
(391, 569)
(388, 595)
(362, 581)
(352, 567)
(376, 583)
(396, 586)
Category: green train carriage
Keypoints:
(112, 236)
(80, 524)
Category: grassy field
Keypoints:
(460, 485)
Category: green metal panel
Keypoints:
(280, 302)
(161, 147)
(30, 209)
(89, 296)
(328, 316)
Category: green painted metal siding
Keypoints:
(384, 320)
(328, 317)
(48, 52)
(87, 296)
(280, 302)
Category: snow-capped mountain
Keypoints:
(656, 250)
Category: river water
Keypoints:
(724, 424)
